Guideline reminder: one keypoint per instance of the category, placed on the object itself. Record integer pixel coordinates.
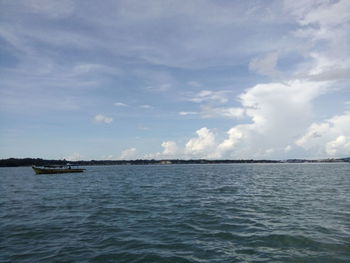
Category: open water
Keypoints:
(177, 213)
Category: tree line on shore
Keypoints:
(16, 162)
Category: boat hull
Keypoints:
(39, 170)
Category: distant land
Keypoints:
(16, 162)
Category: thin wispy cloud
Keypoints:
(225, 112)
(99, 118)
(185, 113)
(194, 84)
(209, 96)
(120, 104)
(146, 106)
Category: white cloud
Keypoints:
(208, 96)
(120, 104)
(288, 148)
(235, 134)
(328, 13)
(325, 33)
(278, 112)
(129, 154)
(99, 118)
(203, 145)
(146, 106)
(339, 146)
(170, 148)
(330, 137)
(74, 157)
(335, 73)
(231, 112)
(326, 68)
(265, 65)
(184, 113)
(108, 157)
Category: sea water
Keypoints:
(177, 213)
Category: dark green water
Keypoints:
(177, 213)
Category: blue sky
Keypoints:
(174, 79)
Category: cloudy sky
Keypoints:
(115, 79)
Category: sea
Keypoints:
(177, 213)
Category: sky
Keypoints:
(161, 79)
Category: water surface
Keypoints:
(177, 213)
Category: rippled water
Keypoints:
(177, 213)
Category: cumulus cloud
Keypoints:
(99, 118)
(339, 146)
(235, 134)
(129, 154)
(170, 148)
(203, 145)
(278, 113)
(330, 137)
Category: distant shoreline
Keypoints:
(18, 162)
